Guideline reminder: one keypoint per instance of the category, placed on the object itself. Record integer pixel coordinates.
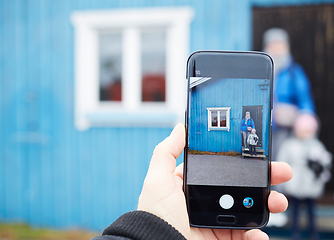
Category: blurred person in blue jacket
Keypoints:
(292, 90)
(291, 96)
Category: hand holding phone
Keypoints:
(162, 193)
(227, 174)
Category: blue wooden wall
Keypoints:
(233, 93)
(51, 174)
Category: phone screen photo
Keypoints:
(228, 122)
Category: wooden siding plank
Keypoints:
(5, 70)
(3, 119)
(14, 187)
(46, 115)
(32, 93)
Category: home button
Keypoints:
(226, 201)
(226, 219)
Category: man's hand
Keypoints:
(162, 193)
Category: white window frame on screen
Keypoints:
(131, 111)
(219, 109)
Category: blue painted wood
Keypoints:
(51, 174)
(233, 93)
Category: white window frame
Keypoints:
(131, 111)
(227, 109)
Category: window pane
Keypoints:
(110, 69)
(153, 61)
(214, 120)
(222, 118)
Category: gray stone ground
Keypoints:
(226, 170)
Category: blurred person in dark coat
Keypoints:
(311, 163)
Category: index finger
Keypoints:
(280, 172)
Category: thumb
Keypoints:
(173, 144)
(162, 194)
(168, 150)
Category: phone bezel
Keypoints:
(237, 55)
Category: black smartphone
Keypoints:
(228, 139)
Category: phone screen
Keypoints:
(228, 146)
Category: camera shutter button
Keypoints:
(226, 201)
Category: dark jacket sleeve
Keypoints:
(139, 225)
